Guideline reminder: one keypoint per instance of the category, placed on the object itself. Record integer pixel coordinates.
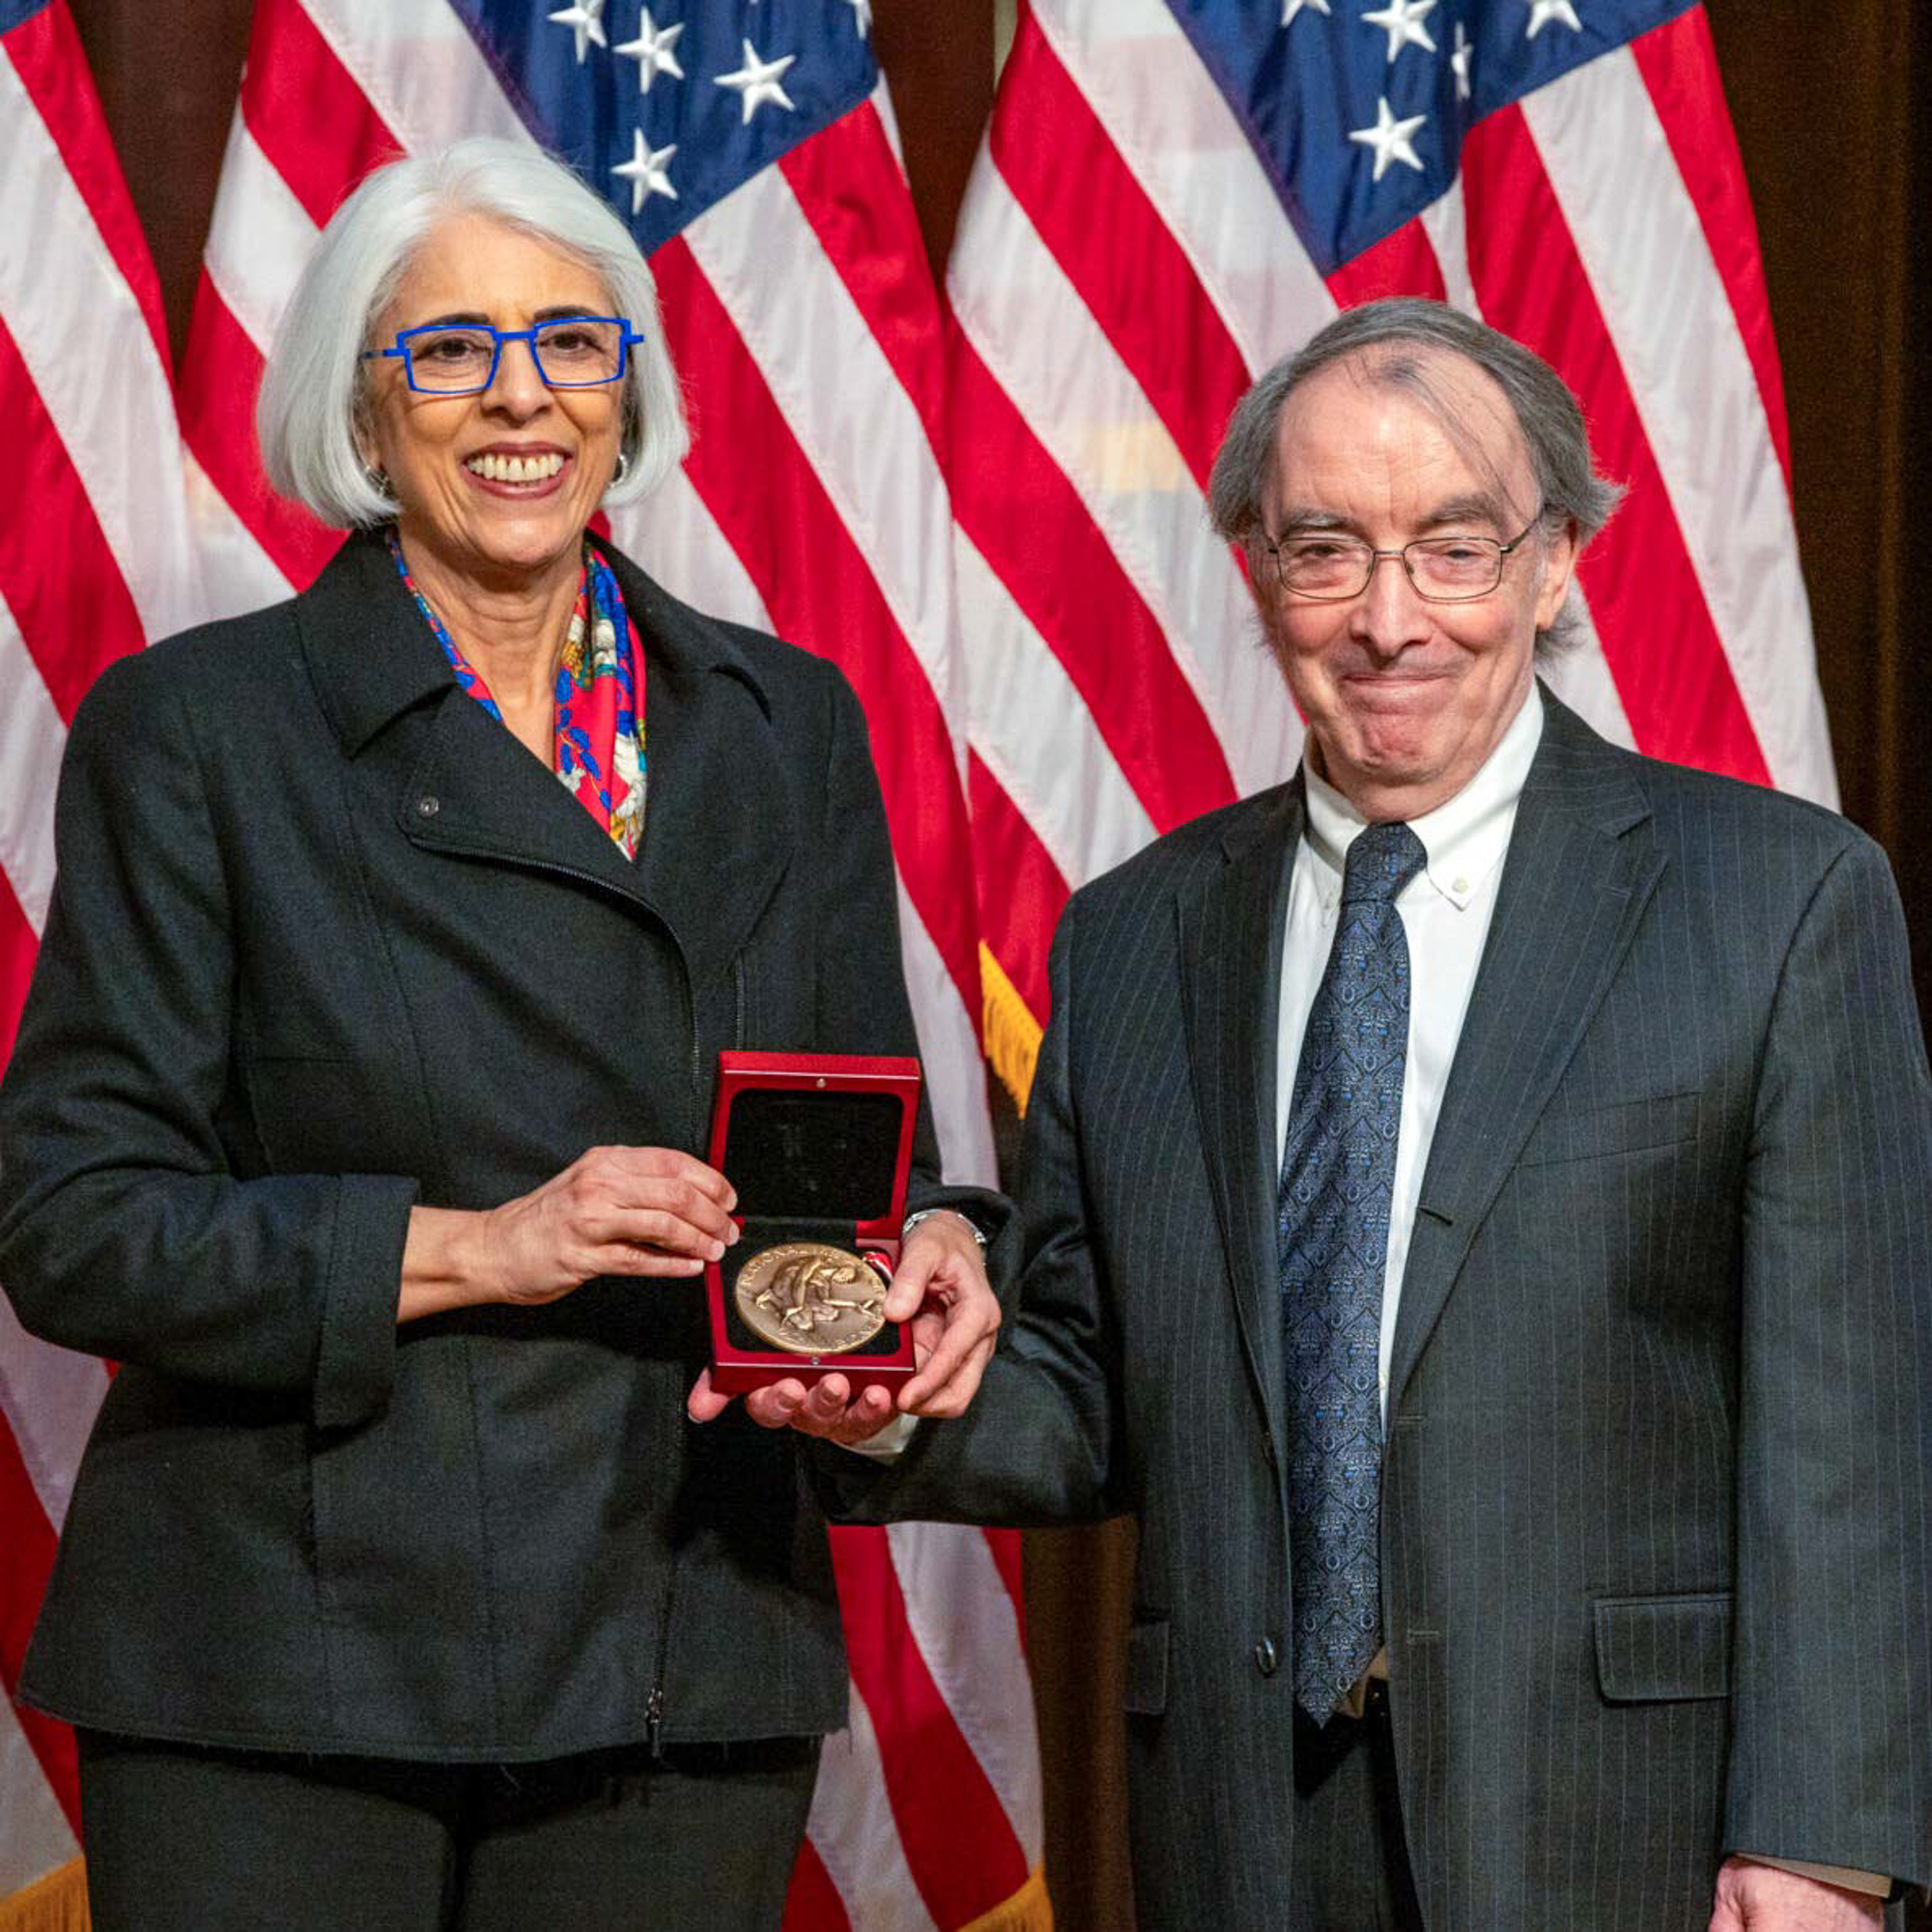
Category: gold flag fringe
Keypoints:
(1008, 1029)
(56, 1903)
(1028, 1910)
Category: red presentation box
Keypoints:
(818, 1146)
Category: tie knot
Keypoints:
(1381, 861)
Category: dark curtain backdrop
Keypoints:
(1831, 105)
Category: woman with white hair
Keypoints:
(354, 1114)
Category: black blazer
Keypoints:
(1657, 1507)
(327, 941)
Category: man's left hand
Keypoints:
(940, 1287)
(1763, 1898)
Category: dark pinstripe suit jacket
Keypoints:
(1656, 1523)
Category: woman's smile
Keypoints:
(517, 470)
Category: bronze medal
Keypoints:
(810, 1299)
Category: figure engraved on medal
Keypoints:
(810, 1299)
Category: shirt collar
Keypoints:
(1467, 836)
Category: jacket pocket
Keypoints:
(1146, 1694)
(1626, 1126)
(1659, 1649)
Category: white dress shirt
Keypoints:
(1445, 913)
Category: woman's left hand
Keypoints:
(940, 1287)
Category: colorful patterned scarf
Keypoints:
(598, 754)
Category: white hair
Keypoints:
(313, 391)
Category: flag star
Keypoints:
(1401, 20)
(1460, 61)
(652, 51)
(645, 170)
(586, 18)
(861, 12)
(1389, 138)
(1543, 11)
(1293, 7)
(757, 82)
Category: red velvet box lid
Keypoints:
(823, 1135)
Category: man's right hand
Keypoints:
(827, 1410)
(940, 1288)
(1754, 1897)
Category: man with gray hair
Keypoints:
(1476, 1204)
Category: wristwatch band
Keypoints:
(912, 1221)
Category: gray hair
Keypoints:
(313, 388)
(1548, 417)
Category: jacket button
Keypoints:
(428, 805)
(1265, 1659)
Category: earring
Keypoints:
(623, 466)
(377, 479)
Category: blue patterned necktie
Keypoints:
(1337, 1175)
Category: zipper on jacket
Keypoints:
(654, 1704)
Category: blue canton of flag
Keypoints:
(1358, 110)
(665, 108)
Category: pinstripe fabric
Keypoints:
(1657, 1528)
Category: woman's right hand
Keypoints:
(615, 1211)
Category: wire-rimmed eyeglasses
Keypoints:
(1325, 567)
(574, 351)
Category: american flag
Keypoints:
(753, 152)
(1173, 194)
(95, 560)
(1170, 196)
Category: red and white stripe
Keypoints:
(828, 525)
(95, 560)
(1124, 270)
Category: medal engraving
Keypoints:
(810, 1299)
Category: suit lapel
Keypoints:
(718, 833)
(1230, 937)
(479, 794)
(718, 827)
(466, 785)
(1581, 870)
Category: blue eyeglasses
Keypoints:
(574, 351)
